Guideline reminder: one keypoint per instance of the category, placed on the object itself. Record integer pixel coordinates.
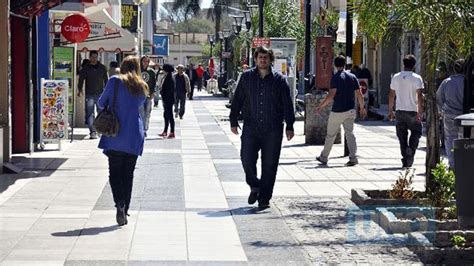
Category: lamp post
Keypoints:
(248, 25)
(260, 17)
(210, 38)
(226, 34)
(252, 10)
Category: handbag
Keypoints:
(106, 122)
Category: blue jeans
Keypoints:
(269, 143)
(145, 112)
(91, 104)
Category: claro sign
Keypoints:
(75, 28)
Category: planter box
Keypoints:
(402, 220)
(372, 198)
(436, 247)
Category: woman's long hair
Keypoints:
(130, 75)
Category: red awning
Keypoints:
(31, 8)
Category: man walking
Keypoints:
(263, 97)
(450, 98)
(191, 72)
(95, 75)
(199, 74)
(344, 88)
(407, 86)
(149, 76)
(182, 88)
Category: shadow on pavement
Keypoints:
(232, 212)
(31, 168)
(86, 231)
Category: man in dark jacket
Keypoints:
(149, 76)
(263, 97)
(95, 76)
(193, 78)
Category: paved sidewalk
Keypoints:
(189, 200)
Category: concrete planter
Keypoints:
(437, 248)
(372, 198)
(402, 220)
(316, 124)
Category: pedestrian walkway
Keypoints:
(189, 200)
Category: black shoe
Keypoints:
(93, 135)
(351, 163)
(263, 205)
(181, 117)
(252, 197)
(321, 160)
(121, 216)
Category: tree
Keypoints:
(194, 25)
(445, 29)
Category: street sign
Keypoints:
(257, 41)
(161, 45)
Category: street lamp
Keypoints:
(210, 38)
(225, 34)
(238, 24)
(248, 20)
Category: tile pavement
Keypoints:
(189, 201)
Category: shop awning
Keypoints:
(31, 8)
(116, 38)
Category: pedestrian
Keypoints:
(206, 76)
(450, 98)
(199, 75)
(149, 76)
(114, 68)
(168, 92)
(182, 84)
(123, 150)
(263, 98)
(159, 74)
(191, 72)
(95, 76)
(407, 86)
(344, 88)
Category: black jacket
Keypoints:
(168, 89)
(192, 77)
(263, 102)
(95, 76)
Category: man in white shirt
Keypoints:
(407, 86)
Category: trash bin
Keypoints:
(464, 170)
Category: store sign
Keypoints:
(63, 69)
(75, 28)
(97, 29)
(257, 42)
(54, 118)
(161, 45)
(130, 17)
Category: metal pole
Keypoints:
(260, 17)
(307, 47)
(348, 53)
(248, 53)
(225, 60)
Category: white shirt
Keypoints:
(405, 84)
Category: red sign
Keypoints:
(257, 42)
(75, 28)
(211, 67)
(324, 57)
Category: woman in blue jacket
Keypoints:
(124, 149)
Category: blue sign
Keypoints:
(161, 45)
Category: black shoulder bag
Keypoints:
(106, 122)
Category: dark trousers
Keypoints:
(180, 104)
(121, 168)
(191, 91)
(168, 115)
(199, 84)
(406, 121)
(269, 143)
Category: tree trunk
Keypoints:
(431, 111)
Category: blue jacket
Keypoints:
(130, 137)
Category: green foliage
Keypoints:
(458, 241)
(194, 25)
(216, 49)
(443, 191)
(402, 188)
